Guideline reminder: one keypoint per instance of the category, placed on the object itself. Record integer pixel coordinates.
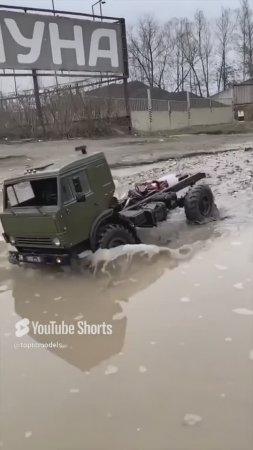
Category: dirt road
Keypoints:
(124, 151)
(166, 359)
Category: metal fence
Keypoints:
(205, 103)
(141, 104)
(72, 111)
(65, 113)
(138, 104)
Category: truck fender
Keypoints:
(97, 223)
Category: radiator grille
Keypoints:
(35, 241)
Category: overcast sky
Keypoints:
(130, 9)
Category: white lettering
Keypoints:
(86, 328)
(2, 50)
(58, 44)
(109, 329)
(35, 327)
(96, 52)
(33, 44)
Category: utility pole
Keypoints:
(100, 3)
(126, 74)
(56, 79)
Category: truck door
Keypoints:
(78, 216)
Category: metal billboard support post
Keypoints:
(100, 2)
(37, 100)
(56, 79)
(126, 74)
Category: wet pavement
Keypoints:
(120, 152)
(168, 363)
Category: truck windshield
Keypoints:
(32, 193)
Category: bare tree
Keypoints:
(241, 37)
(190, 55)
(190, 51)
(149, 51)
(224, 36)
(245, 38)
(203, 36)
(180, 70)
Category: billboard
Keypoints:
(42, 42)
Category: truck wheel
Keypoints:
(113, 235)
(199, 203)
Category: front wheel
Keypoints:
(113, 235)
(199, 203)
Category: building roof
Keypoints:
(137, 89)
(229, 90)
(245, 83)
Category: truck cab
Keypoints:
(49, 211)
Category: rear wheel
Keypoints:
(199, 203)
(113, 235)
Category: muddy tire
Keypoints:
(199, 203)
(113, 235)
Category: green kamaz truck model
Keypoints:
(53, 214)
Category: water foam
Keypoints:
(106, 260)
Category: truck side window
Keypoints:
(77, 184)
(81, 184)
(11, 197)
(67, 195)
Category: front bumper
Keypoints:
(42, 259)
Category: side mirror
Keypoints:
(80, 197)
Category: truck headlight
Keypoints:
(12, 240)
(56, 242)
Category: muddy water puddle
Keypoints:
(170, 369)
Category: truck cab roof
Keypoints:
(57, 168)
